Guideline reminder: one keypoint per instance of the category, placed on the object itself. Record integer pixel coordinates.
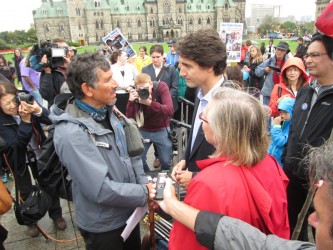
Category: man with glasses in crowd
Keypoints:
(312, 123)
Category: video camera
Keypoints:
(54, 54)
(25, 97)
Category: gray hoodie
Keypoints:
(107, 184)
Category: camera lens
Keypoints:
(143, 93)
(23, 97)
(30, 99)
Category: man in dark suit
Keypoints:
(159, 71)
(202, 68)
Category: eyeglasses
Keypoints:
(313, 55)
(170, 45)
(203, 118)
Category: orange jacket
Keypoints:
(293, 61)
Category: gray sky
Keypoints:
(17, 14)
(295, 8)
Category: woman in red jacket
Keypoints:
(293, 76)
(239, 180)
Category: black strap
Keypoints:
(158, 77)
(279, 91)
(156, 94)
(17, 201)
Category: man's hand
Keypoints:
(184, 177)
(133, 95)
(178, 167)
(44, 61)
(67, 61)
(267, 70)
(152, 190)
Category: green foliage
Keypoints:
(289, 27)
(306, 28)
(26, 45)
(4, 45)
(268, 24)
(17, 38)
(73, 44)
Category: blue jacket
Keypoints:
(280, 134)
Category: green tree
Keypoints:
(269, 24)
(307, 28)
(288, 27)
(18, 38)
(31, 36)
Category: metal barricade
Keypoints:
(182, 128)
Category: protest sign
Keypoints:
(116, 41)
(231, 35)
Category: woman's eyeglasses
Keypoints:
(203, 118)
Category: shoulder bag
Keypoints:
(134, 138)
(5, 199)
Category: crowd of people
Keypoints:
(243, 168)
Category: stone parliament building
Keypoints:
(87, 21)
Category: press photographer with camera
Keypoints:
(150, 104)
(54, 62)
(20, 118)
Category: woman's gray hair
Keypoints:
(238, 122)
(85, 68)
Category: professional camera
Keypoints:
(143, 93)
(57, 55)
(54, 54)
(24, 97)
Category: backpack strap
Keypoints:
(165, 67)
(156, 94)
(279, 91)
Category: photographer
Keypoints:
(20, 118)
(54, 71)
(151, 106)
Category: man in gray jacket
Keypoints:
(90, 141)
(216, 231)
(272, 68)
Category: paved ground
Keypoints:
(17, 239)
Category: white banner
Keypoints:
(231, 35)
